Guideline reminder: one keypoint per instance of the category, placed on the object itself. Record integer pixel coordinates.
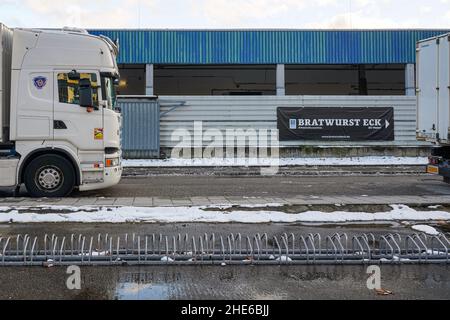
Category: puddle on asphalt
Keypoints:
(272, 283)
(141, 291)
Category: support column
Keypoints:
(410, 80)
(149, 79)
(281, 81)
(362, 83)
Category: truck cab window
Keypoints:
(109, 91)
(68, 90)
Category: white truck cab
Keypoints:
(60, 130)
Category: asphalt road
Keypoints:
(278, 186)
(224, 283)
(259, 186)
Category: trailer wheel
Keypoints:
(49, 176)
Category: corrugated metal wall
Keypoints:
(140, 128)
(225, 112)
(268, 46)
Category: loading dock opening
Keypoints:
(244, 80)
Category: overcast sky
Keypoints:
(300, 14)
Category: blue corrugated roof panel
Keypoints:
(268, 46)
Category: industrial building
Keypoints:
(238, 78)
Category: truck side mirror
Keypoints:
(85, 91)
(73, 75)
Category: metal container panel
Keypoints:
(140, 128)
(225, 112)
(444, 88)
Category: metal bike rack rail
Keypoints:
(213, 249)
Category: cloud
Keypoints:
(81, 13)
(372, 14)
(360, 21)
(238, 12)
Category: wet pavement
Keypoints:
(226, 283)
(234, 282)
(219, 282)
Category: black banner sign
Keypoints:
(336, 124)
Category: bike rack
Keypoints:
(213, 249)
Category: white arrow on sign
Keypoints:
(387, 124)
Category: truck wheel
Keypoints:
(49, 176)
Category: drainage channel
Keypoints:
(234, 249)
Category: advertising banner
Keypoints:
(336, 124)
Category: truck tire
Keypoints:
(49, 176)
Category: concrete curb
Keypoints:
(283, 171)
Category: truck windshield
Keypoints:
(109, 91)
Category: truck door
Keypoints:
(81, 126)
(444, 89)
(427, 104)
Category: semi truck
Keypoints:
(60, 128)
(433, 101)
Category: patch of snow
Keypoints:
(426, 229)
(437, 253)
(434, 207)
(397, 258)
(166, 259)
(96, 253)
(284, 259)
(198, 214)
(249, 162)
(49, 263)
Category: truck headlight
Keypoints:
(114, 162)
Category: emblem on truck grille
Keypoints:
(40, 82)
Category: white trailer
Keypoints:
(433, 91)
(433, 100)
(59, 126)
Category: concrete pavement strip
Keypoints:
(226, 201)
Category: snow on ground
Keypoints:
(212, 162)
(198, 214)
(426, 229)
